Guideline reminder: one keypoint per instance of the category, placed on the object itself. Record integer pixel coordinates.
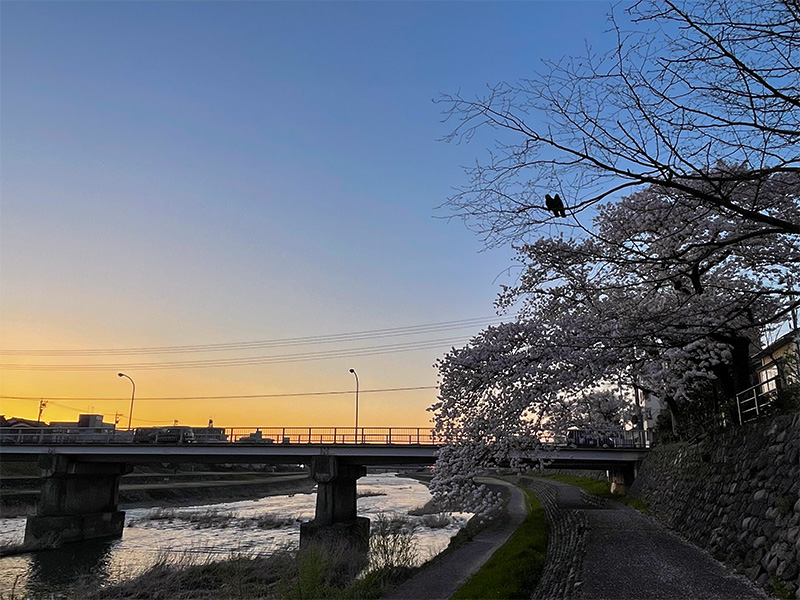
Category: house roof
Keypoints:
(19, 422)
(791, 336)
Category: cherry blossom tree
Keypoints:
(695, 118)
(665, 295)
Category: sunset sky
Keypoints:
(179, 175)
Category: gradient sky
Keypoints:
(186, 173)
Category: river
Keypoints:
(211, 531)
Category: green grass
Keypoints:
(598, 487)
(514, 570)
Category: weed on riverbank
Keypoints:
(369, 494)
(214, 518)
(318, 572)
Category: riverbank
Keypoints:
(202, 558)
(328, 573)
(468, 550)
(18, 498)
(175, 494)
(211, 492)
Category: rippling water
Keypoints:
(145, 540)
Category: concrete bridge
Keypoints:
(81, 470)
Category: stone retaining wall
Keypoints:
(736, 494)
(566, 545)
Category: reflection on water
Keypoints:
(199, 533)
(64, 566)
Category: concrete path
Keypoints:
(630, 556)
(602, 550)
(446, 575)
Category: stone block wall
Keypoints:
(736, 494)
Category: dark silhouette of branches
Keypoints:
(701, 98)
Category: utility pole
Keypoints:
(42, 405)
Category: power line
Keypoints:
(259, 344)
(238, 397)
(79, 411)
(245, 361)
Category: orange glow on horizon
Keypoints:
(70, 393)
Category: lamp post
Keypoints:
(353, 371)
(133, 393)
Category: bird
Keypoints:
(694, 276)
(555, 204)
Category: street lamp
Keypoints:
(133, 393)
(353, 371)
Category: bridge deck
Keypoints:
(363, 454)
(366, 454)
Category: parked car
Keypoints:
(255, 438)
(210, 435)
(586, 438)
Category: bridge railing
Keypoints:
(328, 435)
(283, 435)
(61, 435)
(587, 438)
(217, 435)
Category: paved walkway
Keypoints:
(607, 551)
(442, 578)
(598, 550)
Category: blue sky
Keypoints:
(183, 173)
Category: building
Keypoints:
(779, 362)
(87, 428)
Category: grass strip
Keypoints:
(598, 487)
(514, 570)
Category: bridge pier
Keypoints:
(621, 478)
(336, 518)
(78, 502)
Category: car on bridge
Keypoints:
(587, 438)
(209, 435)
(257, 437)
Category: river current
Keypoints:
(214, 531)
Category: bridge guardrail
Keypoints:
(276, 435)
(330, 435)
(587, 438)
(221, 435)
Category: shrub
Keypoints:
(436, 521)
(391, 543)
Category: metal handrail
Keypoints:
(756, 398)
